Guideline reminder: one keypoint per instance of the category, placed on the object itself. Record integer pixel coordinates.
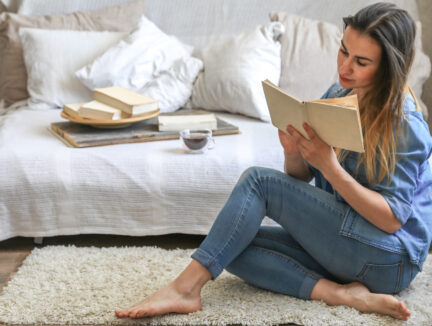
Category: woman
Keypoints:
(363, 232)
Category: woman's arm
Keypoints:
(368, 203)
(294, 165)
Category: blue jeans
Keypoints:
(319, 237)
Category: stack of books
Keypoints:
(113, 103)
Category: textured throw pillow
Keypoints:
(51, 58)
(420, 69)
(309, 57)
(173, 87)
(9, 5)
(13, 78)
(136, 60)
(234, 69)
(57, 7)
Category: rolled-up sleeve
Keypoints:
(412, 153)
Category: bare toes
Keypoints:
(120, 313)
(140, 313)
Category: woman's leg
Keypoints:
(266, 264)
(310, 215)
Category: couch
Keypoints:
(152, 188)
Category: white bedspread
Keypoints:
(48, 188)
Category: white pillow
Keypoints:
(234, 69)
(51, 58)
(136, 60)
(57, 7)
(173, 87)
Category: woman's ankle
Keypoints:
(330, 292)
(192, 279)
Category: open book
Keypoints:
(335, 120)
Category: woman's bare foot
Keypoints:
(166, 300)
(358, 296)
(183, 295)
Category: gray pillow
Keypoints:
(13, 76)
(61, 7)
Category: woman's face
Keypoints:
(358, 61)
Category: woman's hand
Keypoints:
(316, 152)
(288, 143)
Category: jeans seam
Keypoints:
(305, 193)
(375, 244)
(366, 267)
(239, 218)
(278, 240)
(399, 277)
(286, 258)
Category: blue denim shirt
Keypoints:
(409, 192)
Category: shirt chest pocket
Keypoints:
(356, 227)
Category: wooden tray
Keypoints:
(110, 124)
(81, 135)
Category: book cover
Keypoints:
(336, 121)
(126, 100)
(99, 111)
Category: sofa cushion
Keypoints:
(57, 7)
(234, 69)
(51, 58)
(309, 57)
(13, 77)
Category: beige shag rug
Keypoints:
(70, 285)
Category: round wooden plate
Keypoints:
(110, 123)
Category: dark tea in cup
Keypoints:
(196, 141)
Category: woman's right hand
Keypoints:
(288, 143)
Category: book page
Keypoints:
(284, 109)
(347, 101)
(338, 126)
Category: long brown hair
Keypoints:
(381, 108)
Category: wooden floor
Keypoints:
(15, 250)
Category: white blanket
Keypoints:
(48, 188)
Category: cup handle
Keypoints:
(212, 143)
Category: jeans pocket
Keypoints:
(357, 227)
(409, 273)
(381, 278)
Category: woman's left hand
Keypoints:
(318, 154)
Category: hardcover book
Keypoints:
(99, 111)
(187, 121)
(335, 120)
(126, 100)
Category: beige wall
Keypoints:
(425, 15)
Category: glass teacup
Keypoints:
(197, 141)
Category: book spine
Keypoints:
(305, 112)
